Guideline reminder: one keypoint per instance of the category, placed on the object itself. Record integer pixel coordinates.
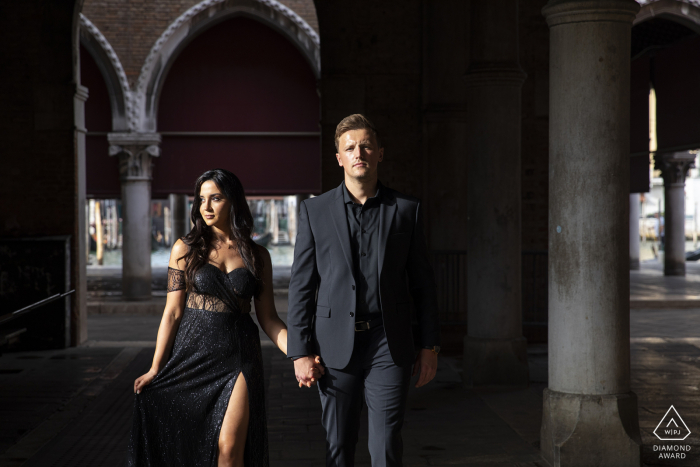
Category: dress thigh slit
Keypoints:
(249, 435)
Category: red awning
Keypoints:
(240, 76)
(677, 84)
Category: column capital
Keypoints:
(136, 152)
(674, 166)
(81, 92)
(559, 12)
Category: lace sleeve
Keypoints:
(176, 279)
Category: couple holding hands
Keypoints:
(360, 253)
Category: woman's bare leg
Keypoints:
(234, 428)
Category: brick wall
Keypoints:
(133, 26)
(305, 9)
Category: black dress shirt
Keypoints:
(363, 224)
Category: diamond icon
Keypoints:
(672, 427)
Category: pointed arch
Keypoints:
(111, 68)
(684, 13)
(195, 21)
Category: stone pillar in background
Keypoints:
(674, 168)
(634, 231)
(495, 351)
(136, 152)
(589, 413)
(79, 331)
(180, 221)
(274, 222)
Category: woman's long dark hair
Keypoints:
(200, 238)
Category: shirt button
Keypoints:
(364, 254)
(353, 287)
(364, 231)
(352, 315)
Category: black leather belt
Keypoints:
(367, 325)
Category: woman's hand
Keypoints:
(143, 381)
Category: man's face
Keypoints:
(358, 154)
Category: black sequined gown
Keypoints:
(177, 418)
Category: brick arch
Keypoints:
(195, 21)
(111, 68)
(684, 13)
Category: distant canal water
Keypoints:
(282, 255)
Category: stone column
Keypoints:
(589, 414)
(275, 222)
(495, 351)
(136, 152)
(180, 215)
(79, 328)
(634, 231)
(674, 168)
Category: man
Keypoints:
(349, 300)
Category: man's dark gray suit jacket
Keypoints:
(322, 295)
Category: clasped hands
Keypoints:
(308, 370)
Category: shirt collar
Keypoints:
(377, 196)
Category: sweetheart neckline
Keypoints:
(227, 273)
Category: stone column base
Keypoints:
(590, 430)
(136, 288)
(674, 269)
(495, 362)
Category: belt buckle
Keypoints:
(361, 326)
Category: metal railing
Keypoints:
(15, 314)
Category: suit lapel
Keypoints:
(387, 210)
(337, 208)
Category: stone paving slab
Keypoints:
(36, 385)
(650, 288)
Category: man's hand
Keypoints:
(308, 370)
(426, 366)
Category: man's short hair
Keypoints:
(356, 122)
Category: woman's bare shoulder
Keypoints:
(179, 250)
(179, 247)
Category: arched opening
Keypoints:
(664, 122)
(240, 97)
(102, 171)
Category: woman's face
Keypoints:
(214, 207)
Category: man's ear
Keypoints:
(381, 154)
(340, 161)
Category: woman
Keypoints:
(202, 403)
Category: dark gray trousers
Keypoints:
(371, 375)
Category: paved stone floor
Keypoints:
(650, 284)
(72, 407)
